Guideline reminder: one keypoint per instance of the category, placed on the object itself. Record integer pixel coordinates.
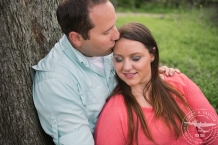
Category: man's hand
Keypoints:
(168, 71)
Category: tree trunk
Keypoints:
(28, 30)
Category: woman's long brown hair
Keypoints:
(160, 97)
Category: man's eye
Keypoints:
(118, 59)
(107, 32)
(136, 58)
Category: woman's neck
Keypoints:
(142, 95)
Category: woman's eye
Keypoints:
(117, 59)
(136, 58)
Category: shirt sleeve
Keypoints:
(110, 128)
(199, 104)
(61, 112)
(195, 97)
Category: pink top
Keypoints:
(112, 125)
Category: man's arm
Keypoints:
(61, 112)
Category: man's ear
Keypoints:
(75, 38)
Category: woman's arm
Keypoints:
(206, 116)
(111, 125)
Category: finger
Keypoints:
(171, 71)
(177, 70)
(162, 69)
(168, 71)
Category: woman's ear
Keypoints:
(76, 39)
(152, 54)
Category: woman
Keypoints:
(150, 108)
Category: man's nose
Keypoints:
(116, 34)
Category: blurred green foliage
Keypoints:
(138, 4)
(187, 40)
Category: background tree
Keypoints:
(28, 31)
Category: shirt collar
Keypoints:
(73, 52)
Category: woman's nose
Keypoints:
(127, 65)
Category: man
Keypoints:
(73, 81)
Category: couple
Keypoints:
(74, 80)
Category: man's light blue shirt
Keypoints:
(69, 93)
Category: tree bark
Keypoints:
(28, 31)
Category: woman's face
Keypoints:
(132, 62)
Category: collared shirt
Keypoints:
(69, 93)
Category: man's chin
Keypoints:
(107, 53)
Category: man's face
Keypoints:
(102, 37)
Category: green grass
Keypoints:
(186, 41)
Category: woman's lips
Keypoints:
(129, 75)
